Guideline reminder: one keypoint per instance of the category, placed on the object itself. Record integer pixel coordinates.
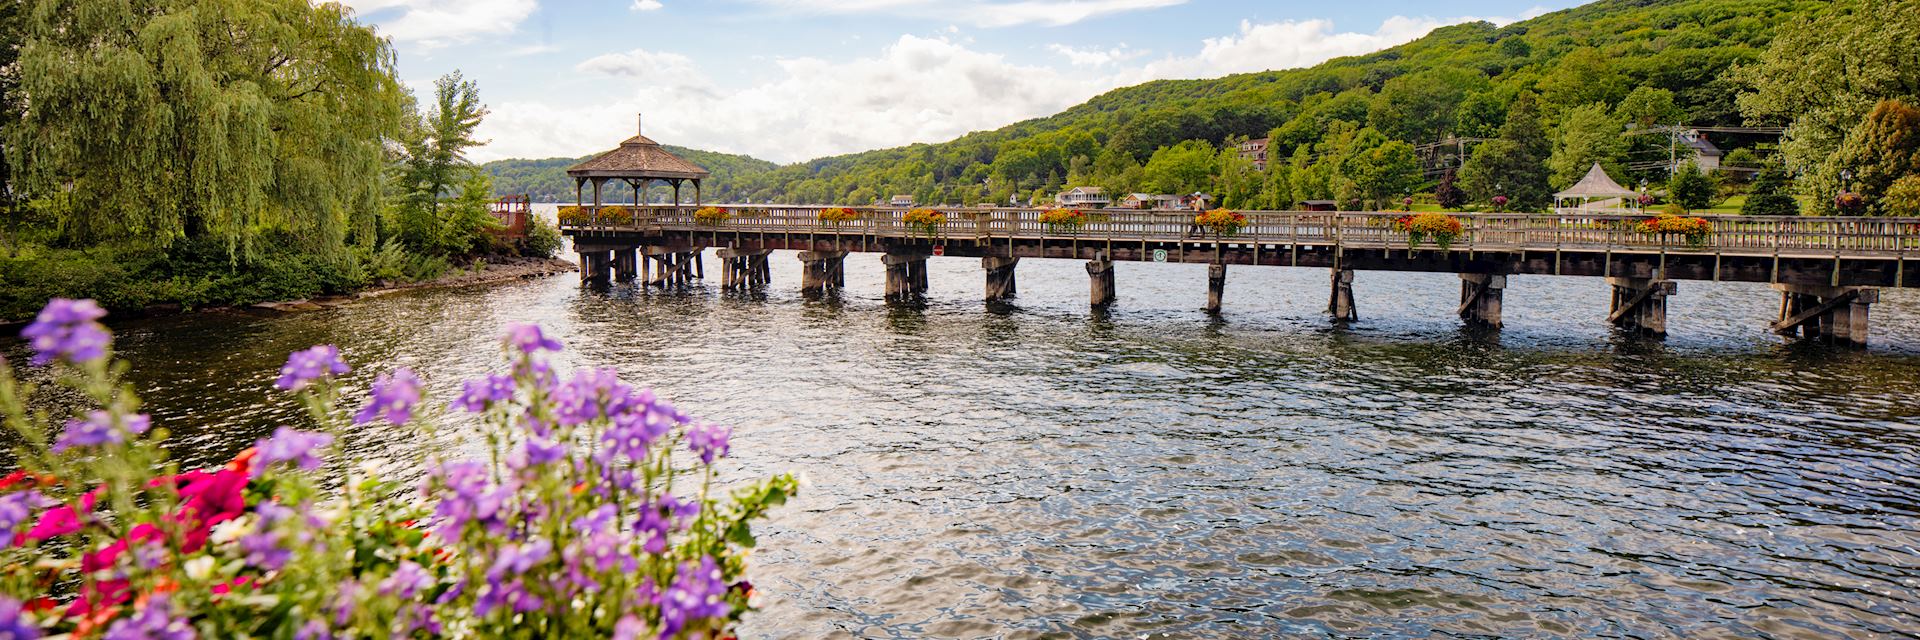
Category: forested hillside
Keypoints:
(546, 180)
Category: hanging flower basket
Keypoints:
(836, 216)
(711, 216)
(1221, 222)
(1062, 220)
(925, 221)
(1441, 228)
(1694, 232)
(571, 216)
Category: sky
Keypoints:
(793, 80)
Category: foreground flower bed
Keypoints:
(593, 514)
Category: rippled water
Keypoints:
(1035, 470)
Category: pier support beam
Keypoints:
(594, 266)
(626, 264)
(1340, 303)
(1481, 297)
(1640, 304)
(906, 275)
(1000, 282)
(1837, 314)
(822, 271)
(741, 270)
(1216, 286)
(1100, 275)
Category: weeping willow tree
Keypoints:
(157, 120)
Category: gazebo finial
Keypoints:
(639, 124)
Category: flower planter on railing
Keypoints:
(925, 222)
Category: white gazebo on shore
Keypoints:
(1597, 185)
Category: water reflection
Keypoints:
(1037, 469)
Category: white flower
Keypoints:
(200, 568)
(231, 530)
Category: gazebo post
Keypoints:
(696, 192)
(579, 200)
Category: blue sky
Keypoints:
(790, 80)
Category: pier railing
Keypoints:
(1565, 230)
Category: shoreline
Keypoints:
(508, 269)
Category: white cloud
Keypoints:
(916, 89)
(646, 5)
(434, 23)
(1096, 57)
(981, 13)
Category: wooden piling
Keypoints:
(1836, 314)
(906, 275)
(1640, 304)
(1000, 277)
(1101, 279)
(1216, 286)
(1340, 301)
(1482, 298)
(822, 271)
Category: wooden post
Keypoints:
(1101, 279)
(1481, 298)
(1640, 304)
(625, 262)
(1216, 286)
(594, 266)
(822, 271)
(906, 275)
(1340, 302)
(1000, 278)
(1837, 314)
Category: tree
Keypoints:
(1824, 74)
(1182, 168)
(1880, 150)
(1588, 136)
(1584, 76)
(1650, 106)
(1903, 197)
(1384, 173)
(1690, 188)
(1770, 195)
(1236, 183)
(1421, 107)
(1515, 165)
(223, 120)
(436, 144)
(1449, 194)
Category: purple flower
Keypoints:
(468, 496)
(394, 395)
(594, 394)
(536, 452)
(16, 509)
(407, 580)
(697, 593)
(98, 429)
(314, 630)
(479, 393)
(13, 625)
(153, 622)
(504, 586)
(289, 445)
(67, 330)
(528, 339)
(304, 367)
(709, 440)
(653, 527)
(628, 628)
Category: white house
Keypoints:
(1703, 153)
(901, 201)
(1083, 197)
(1256, 152)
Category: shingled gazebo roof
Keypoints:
(1596, 184)
(638, 157)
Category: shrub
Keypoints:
(587, 518)
(1903, 197)
(1769, 196)
(543, 240)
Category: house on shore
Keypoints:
(1083, 197)
(1255, 151)
(900, 201)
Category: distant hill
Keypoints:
(1657, 61)
(546, 180)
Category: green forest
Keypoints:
(195, 153)
(1533, 105)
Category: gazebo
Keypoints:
(638, 162)
(1597, 184)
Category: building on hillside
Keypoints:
(901, 201)
(1137, 201)
(1168, 201)
(1256, 151)
(1319, 205)
(1694, 146)
(1083, 197)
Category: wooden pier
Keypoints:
(1828, 269)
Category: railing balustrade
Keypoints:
(1568, 230)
